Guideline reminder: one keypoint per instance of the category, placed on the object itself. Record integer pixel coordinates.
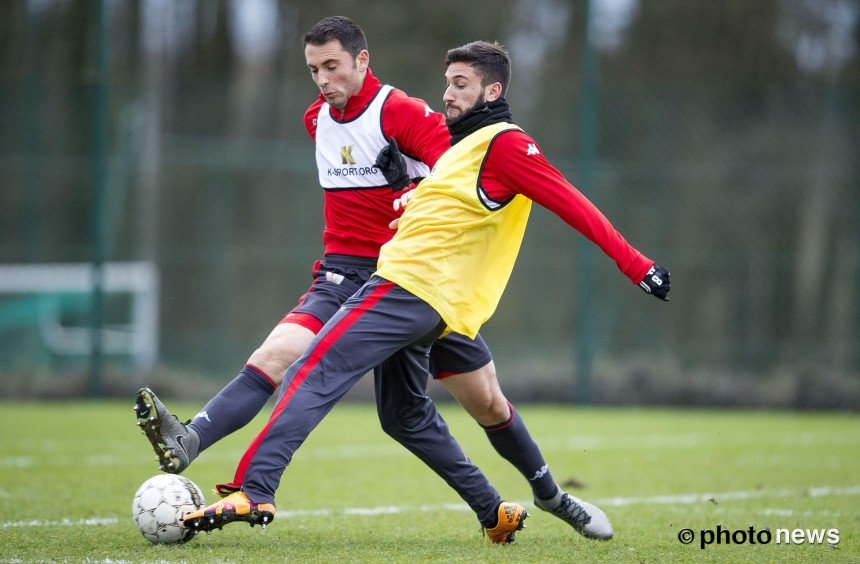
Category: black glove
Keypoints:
(656, 282)
(392, 165)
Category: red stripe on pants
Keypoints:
(312, 361)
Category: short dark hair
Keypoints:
(490, 60)
(343, 29)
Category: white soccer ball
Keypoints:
(159, 505)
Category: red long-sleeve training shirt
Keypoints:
(515, 165)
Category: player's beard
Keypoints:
(450, 121)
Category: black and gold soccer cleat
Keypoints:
(235, 507)
(511, 519)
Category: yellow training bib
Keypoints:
(455, 248)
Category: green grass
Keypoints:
(69, 471)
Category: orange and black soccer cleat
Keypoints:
(235, 507)
(511, 518)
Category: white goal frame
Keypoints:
(138, 338)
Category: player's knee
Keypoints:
(391, 425)
(487, 406)
(499, 410)
(491, 411)
(274, 360)
(405, 420)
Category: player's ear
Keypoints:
(493, 92)
(362, 61)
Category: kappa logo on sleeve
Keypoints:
(427, 110)
(532, 149)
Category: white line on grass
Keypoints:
(688, 499)
(16, 462)
(805, 513)
(63, 523)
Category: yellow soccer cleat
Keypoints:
(511, 518)
(235, 507)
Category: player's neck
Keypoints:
(480, 116)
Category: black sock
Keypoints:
(512, 441)
(233, 407)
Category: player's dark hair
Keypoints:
(341, 28)
(490, 60)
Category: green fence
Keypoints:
(720, 138)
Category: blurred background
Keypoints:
(159, 210)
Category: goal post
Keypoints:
(48, 282)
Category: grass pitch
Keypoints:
(69, 471)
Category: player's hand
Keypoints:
(391, 163)
(400, 204)
(656, 282)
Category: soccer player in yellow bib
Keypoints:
(444, 270)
